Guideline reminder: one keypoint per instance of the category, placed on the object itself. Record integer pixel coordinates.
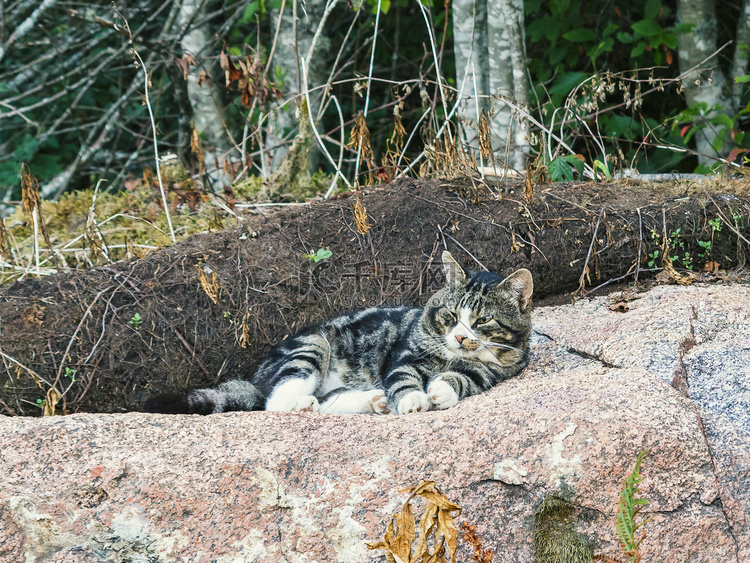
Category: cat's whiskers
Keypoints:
(499, 345)
(432, 349)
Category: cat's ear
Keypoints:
(454, 274)
(521, 286)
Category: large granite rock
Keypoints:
(671, 375)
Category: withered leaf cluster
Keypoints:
(250, 78)
(436, 529)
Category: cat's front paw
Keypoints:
(378, 402)
(442, 394)
(307, 403)
(416, 401)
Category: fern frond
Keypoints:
(627, 510)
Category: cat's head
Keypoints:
(481, 316)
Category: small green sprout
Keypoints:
(70, 373)
(706, 246)
(319, 256)
(135, 321)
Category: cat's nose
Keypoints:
(460, 338)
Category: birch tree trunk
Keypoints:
(709, 86)
(205, 99)
(489, 46)
(741, 52)
(288, 48)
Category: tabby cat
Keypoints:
(472, 334)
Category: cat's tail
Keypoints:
(233, 395)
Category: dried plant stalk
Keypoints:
(485, 143)
(360, 137)
(211, 287)
(360, 216)
(4, 243)
(195, 148)
(528, 186)
(31, 204)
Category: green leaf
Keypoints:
(249, 13)
(693, 130)
(625, 37)
(567, 82)
(539, 28)
(323, 254)
(599, 165)
(531, 7)
(385, 6)
(320, 255)
(684, 28)
(559, 7)
(576, 162)
(559, 170)
(717, 143)
(557, 55)
(638, 50)
(743, 78)
(670, 40)
(603, 47)
(610, 29)
(579, 35)
(647, 28)
(652, 9)
(722, 119)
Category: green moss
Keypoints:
(555, 539)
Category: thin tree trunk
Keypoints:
(709, 86)
(741, 52)
(472, 64)
(489, 46)
(288, 48)
(508, 67)
(205, 99)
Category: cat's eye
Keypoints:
(484, 320)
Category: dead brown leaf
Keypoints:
(436, 528)
(53, 397)
(185, 63)
(712, 267)
(34, 315)
(620, 307)
(682, 279)
(250, 78)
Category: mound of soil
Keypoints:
(205, 309)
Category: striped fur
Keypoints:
(472, 334)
